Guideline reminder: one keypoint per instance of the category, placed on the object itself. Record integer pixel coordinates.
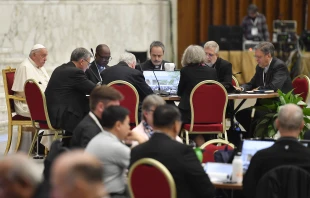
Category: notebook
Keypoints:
(168, 80)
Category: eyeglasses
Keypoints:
(87, 62)
(210, 55)
(105, 58)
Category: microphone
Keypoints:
(159, 92)
(237, 73)
(100, 80)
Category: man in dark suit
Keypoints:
(272, 74)
(124, 70)
(102, 58)
(179, 159)
(286, 150)
(66, 92)
(157, 51)
(100, 98)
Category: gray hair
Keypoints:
(213, 45)
(157, 44)
(80, 53)
(193, 54)
(32, 52)
(265, 47)
(151, 101)
(128, 58)
(290, 117)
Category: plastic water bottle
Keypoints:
(237, 172)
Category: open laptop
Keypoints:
(167, 80)
(218, 171)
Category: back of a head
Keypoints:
(265, 47)
(128, 58)
(152, 100)
(212, 45)
(112, 114)
(165, 116)
(105, 94)
(194, 54)
(290, 117)
(80, 53)
(157, 44)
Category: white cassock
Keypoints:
(29, 70)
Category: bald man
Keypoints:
(102, 58)
(285, 151)
(19, 177)
(77, 174)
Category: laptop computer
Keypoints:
(218, 171)
(168, 80)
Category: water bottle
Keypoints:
(237, 173)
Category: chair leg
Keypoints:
(8, 144)
(225, 135)
(19, 137)
(33, 142)
(186, 137)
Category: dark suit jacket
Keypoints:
(277, 77)
(93, 73)
(148, 66)
(84, 132)
(182, 162)
(66, 99)
(276, 155)
(122, 71)
(190, 76)
(224, 70)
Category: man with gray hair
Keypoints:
(285, 151)
(271, 74)
(19, 177)
(66, 92)
(125, 70)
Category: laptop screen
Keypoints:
(168, 80)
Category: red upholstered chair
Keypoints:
(13, 118)
(212, 146)
(38, 110)
(131, 99)
(208, 101)
(149, 178)
(234, 81)
(301, 85)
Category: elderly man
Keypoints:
(77, 174)
(19, 177)
(30, 68)
(100, 98)
(271, 74)
(286, 150)
(102, 58)
(157, 51)
(66, 92)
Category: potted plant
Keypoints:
(265, 127)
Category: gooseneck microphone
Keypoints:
(159, 92)
(100, 80)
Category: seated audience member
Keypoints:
(100, 98)
(66, 92)
(285, 151)
(77, 174)
(124, 70)
(192, 73)
(157, 51)
(107, 146)
(181, 160)
(19, 177)
(271, 74)
(145, 128)
(102, 58)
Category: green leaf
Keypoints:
(306, 111)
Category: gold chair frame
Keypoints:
(236, 81)
(218, 142)
(308, 80)
(160, 167)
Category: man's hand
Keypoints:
(134, 136)
(238, 88)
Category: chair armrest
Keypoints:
(17, 98)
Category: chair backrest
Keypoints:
(8, 79)
(131, 98)
(149, 178)
(208, 102)
(212, 146)
(37, 105)
(284, 182)
(234, 81)
(301, 85)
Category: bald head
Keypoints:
(77, 174)
(103, 55)
(290, 120)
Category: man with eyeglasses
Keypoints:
(271, 74)
(102, 58)
(66, 92)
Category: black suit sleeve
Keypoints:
(197, 179)
(252, 84)
(252, 177)
(182, 83)
(279, 76)
(81, 83)
(228, 73)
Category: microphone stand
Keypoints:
(159, 92)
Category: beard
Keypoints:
(209, 64)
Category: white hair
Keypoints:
(128, 58)
(192, 55)
(290, 117)
(213, 45)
